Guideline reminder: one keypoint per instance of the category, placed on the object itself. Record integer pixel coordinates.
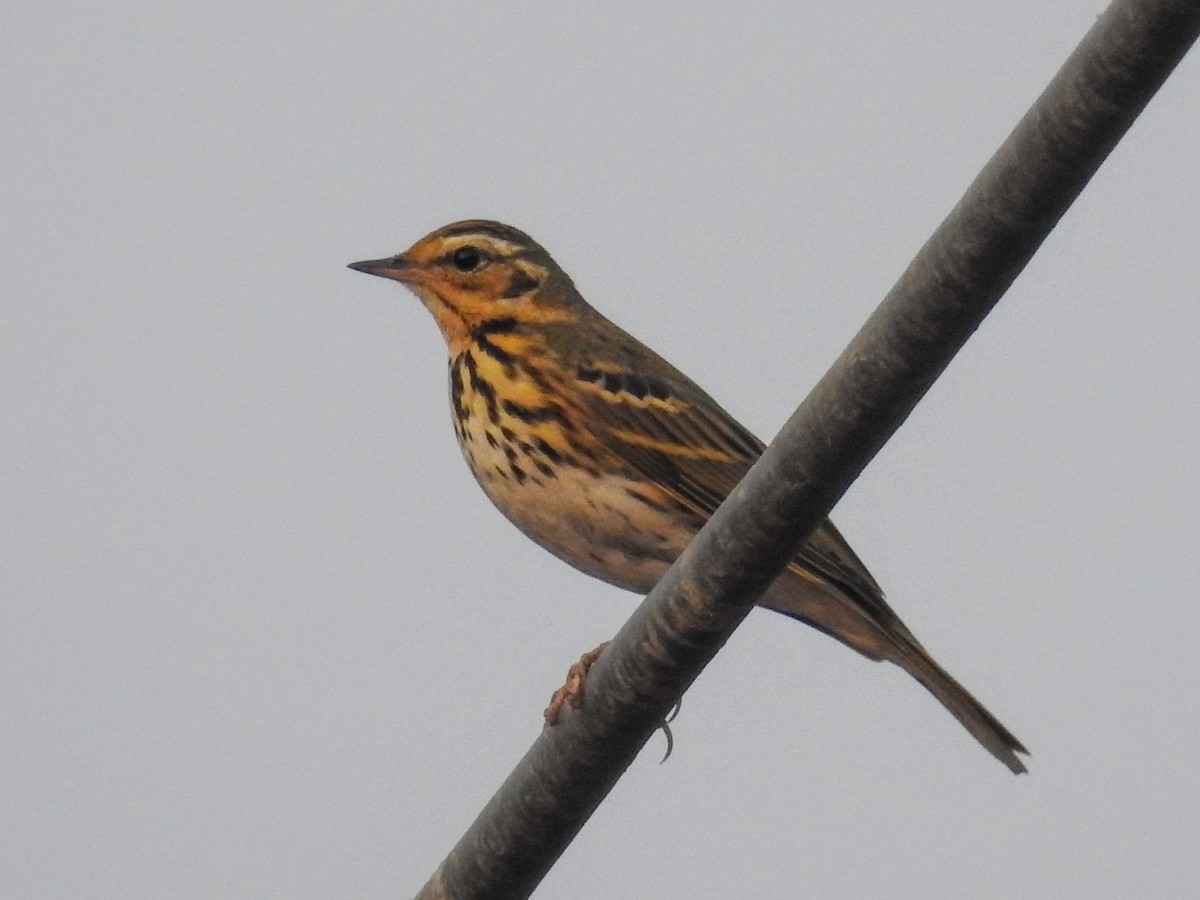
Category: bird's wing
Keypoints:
(686, 445)
(672, 433)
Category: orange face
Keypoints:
(470, 273)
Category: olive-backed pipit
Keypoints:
(610, 457)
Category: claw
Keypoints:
(571, 694)
(674, 712)
(666, 730)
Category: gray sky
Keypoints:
(262, 636)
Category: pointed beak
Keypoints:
(396, 268)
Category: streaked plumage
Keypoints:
(605, 454)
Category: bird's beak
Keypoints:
(396, 268)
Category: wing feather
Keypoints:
(679, 438)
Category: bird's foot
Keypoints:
(572, 691)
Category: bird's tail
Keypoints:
(871, 627)
(974, 716)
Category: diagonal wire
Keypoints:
(939, 301)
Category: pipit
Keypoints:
(611, 458)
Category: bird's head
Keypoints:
(474, 272)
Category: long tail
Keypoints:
(874, 630)
(985, 727)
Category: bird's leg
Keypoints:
(572, 691)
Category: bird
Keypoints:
(611, 458)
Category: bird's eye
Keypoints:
(466, 259)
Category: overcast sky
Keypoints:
(261, 635)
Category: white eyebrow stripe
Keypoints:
(500, 246)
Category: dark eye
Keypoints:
(466, 259)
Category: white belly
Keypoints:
(593, 523)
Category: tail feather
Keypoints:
(877, 632)
(973, 715)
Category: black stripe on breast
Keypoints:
(482, 387)
(499, 325)
(499, 354)
(533, 415)
(456, 389)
